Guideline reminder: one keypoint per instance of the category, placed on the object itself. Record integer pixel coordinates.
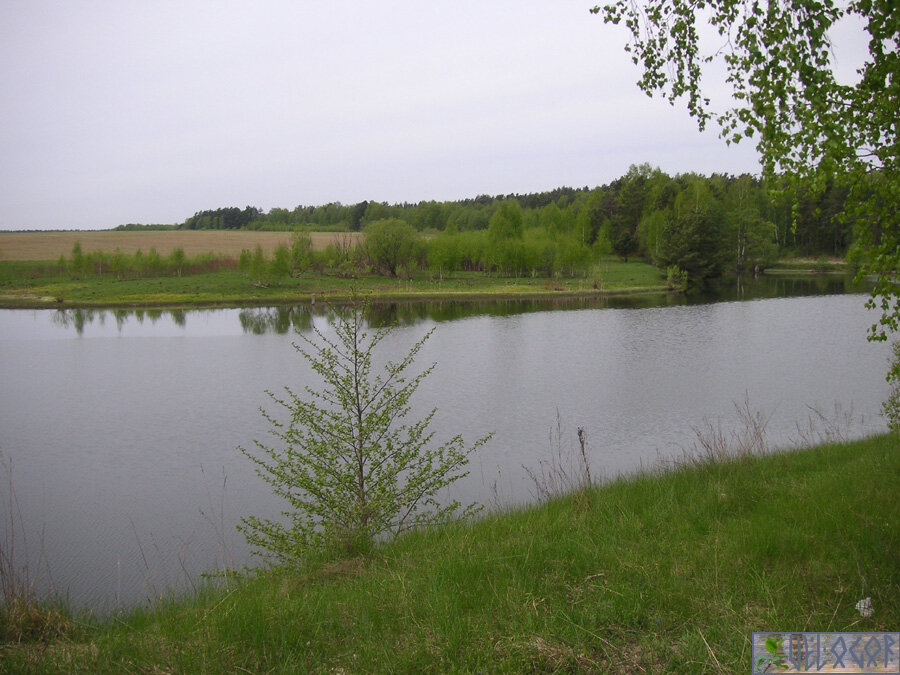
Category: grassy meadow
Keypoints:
(656, 573)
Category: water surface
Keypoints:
(122, 428)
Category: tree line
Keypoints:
(702, 225)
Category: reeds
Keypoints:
(565, 470)
(23, 618)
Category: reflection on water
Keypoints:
(286, 318)
(774, 286)
(77, 319)
(260, 320)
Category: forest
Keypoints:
(698, 225)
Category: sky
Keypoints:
(146, 112)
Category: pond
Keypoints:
(119, 430)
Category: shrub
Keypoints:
(676, 278)
(349, 468)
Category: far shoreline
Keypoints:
(326, 297)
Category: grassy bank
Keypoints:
(658, 573)
(34, 285)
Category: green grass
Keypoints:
(34, 284)
(655, 573)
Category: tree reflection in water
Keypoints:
(282, 319)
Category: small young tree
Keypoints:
(153, 262)
(257, 269)
(177, 260)
(81, 264)
(244, 261)
(347, 464)
(301, 252)
(280, 266)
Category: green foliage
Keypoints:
(137, 227)
(124, 267)
(649, 231)
(392, 244)
(891, 407)
(244, 261)
(807, 124)
(627, 207)
(357, 213)
(541, 254)
(694, 243)
(81, 264)
(506, 222)
(257, 267)
(625, 244)
(676, 278)
(772, 658)
(341, 257)
(153, 263)
(444, 252)
(33, 284)
(280, 267)
(802, 215)
(349, 467)
(760, 220)
(507, 256)
(559, 234)
(572, 257)
(655, 573)
(177, 260)
(230, 218)
(554, 220)
(877, 213)
(119, 264)
(593, 218)
(301, 252)
(779, 65)
(755, 247)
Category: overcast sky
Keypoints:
(146, 112)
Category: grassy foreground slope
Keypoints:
(657, 573)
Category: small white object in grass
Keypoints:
(865, 607)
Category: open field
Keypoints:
(51, 245)
(657, 573)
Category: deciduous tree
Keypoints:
(391, 243)
(346, 462)
(506, 222)
(301, 252)
(780, 68)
